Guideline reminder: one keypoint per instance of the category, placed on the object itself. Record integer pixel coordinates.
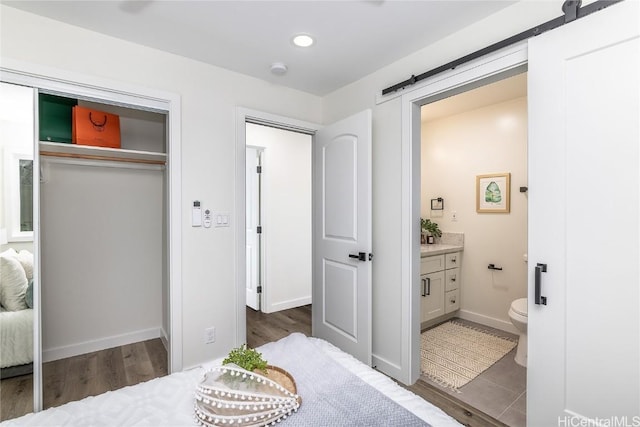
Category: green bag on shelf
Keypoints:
(55, 117)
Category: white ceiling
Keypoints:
(493, 93)
(353, 38)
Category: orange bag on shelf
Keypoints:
(97, 128)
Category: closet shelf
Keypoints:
(73, 151)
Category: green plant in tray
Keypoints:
(247, 358)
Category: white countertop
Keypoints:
(439, 249)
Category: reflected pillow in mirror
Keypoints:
(28, 296)
(13, 285)
(26, 259)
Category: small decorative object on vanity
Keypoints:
(429, 231)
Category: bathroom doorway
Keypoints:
(478, 133)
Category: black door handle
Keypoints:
(540, 268)
(361, 256)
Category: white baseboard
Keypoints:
(285, 305)
(63, 352)
(488, 321)
(165, 339)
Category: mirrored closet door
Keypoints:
(16, 250)
(94, 218)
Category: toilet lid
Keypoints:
(520, 306)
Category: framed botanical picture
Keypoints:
(493, 193)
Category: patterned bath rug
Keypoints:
(453, 354)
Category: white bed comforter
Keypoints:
(16, 337)
(168, 401)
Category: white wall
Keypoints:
(209, 97)
(286, 179)
(16, 135)
(455, 149)
(387, 165)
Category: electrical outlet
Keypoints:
(210, 335)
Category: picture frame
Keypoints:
(493, 193)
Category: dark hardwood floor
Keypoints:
(90, 374)
(263, 328)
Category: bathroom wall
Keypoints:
(456, 148)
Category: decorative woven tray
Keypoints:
(282, 377)
(229, 394)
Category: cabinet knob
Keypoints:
(453, 279)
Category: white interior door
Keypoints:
(253, 221)
(584, 220)
(341, 310)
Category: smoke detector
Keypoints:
(278, 68)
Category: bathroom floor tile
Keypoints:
(507, 373)
(487, 396)
(521, 403)
(513, 418)
(500, 391)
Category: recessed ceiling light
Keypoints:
(303, 40)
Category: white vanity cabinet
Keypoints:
(439, 285)
(452, 282)
(432, 285)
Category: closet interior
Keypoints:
(103, 238)
(97, 240)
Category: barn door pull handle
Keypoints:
(362, 256)
(540, 268)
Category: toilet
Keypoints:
(518, 316)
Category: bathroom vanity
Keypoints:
(439, 282)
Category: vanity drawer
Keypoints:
(452, 301)
(431, 264)
(452, 279)
(452, 260)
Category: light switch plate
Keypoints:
(221, 219)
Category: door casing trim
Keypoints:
(243, 116)
(492, 67)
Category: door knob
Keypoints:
(361, 256)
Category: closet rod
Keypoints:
(106, 158)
